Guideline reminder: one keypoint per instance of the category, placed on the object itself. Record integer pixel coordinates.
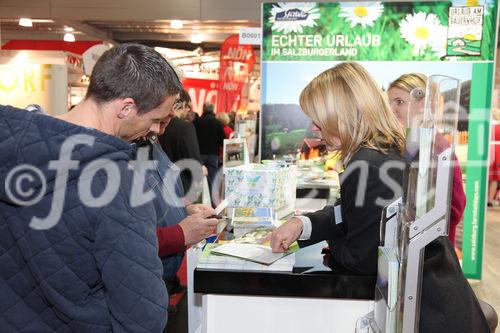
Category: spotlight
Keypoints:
(176, 24)
(69, 37)
(25, 22)
(196, 39)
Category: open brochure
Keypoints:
(253, 246)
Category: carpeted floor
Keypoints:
(488, 289)
(178, 321)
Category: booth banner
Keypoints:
(455, 38)
(236, 65)
(380, 31)
(42, 84)
(201, 91)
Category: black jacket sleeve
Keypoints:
(354, 241)
(221, 135)
(189, 148)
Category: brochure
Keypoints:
(254, 246)
(253, 216)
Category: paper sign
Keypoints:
(250, 36)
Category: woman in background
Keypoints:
(225, 120)
(399, 98)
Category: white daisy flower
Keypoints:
(473, 3)
(362, 13)
(420, 30)
(293, 17)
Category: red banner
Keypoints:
(201, 91)
(77, 47)
(236, 64)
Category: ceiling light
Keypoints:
(176, 24)
(196, 39)
(42, 21)
(25, 22)
(68, 29)
(69, 37)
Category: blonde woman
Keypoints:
(351, 111)
(399, 94)
(353, 115)
(225, 120)
(399, 98)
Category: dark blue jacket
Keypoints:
(163, 179)
(97, 269)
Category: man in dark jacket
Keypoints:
(78, 241)
(181, 143)
(211, 136)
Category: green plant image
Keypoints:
(396, 31)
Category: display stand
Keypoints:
(422, 215)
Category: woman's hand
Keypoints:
(286, 234)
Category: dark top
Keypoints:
(163, 180)
(180, 142)
(448, 303)
(354, 242)
(97, 269)
(210, 134)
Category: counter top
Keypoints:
(310, 278)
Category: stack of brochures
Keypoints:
(386, 291)
(247, 219)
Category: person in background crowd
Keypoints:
(82, 263)
(232, 119)
(210, 133)
(399, 98)
(191, 116)
(224, 119)
(181, 143)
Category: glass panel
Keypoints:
(431, 129)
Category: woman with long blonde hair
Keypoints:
(350, 109)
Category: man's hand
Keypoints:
(199, 208)
(286, 234)
(198, 226)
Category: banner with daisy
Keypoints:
(455, 38)
(460, 30)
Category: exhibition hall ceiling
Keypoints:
(147, 21)
(117, 21)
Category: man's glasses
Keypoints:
(177, 105)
